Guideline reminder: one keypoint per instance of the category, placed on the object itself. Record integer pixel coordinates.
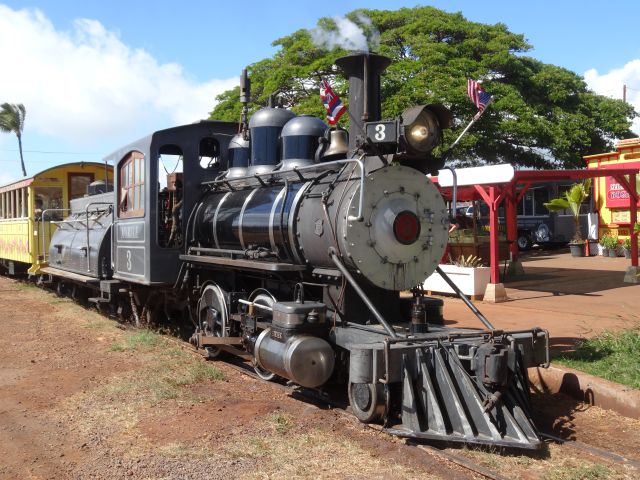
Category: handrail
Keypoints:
(453, 209)
(86, 211)
(42, 219)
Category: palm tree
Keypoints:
(572, 199)
(12, 120)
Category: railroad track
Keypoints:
(342, 409)
(459, 460)
(595, 451)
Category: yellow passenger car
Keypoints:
(30, 207)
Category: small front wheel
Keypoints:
(369, 401)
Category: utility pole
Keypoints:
(624, 92)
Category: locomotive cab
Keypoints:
(157, 182)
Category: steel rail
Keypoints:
(600, 452)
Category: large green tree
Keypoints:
(543, 116)
(12, 121)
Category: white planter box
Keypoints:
(472, 281)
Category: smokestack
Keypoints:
(363, 71)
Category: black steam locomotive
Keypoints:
(289, 244)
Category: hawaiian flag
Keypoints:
(331, 102)
(478, 96)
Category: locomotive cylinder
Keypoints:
(303, 359)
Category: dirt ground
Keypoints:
(81, 397)
(572, 297)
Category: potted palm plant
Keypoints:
(626, 247)
(572, 199)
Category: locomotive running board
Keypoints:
(441, 401)
(243, 264)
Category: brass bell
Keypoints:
(338, 144)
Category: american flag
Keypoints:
(331, 102)
(478, 96)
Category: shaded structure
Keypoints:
(512, 191)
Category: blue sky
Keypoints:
(94, 74)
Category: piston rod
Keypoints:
(360, 292)
(464, 298)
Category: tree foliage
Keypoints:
(542, 116)
(12, 121)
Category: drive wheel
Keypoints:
(369, 401)
(213, 316)
(262, 296)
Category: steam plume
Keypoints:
(347, 35)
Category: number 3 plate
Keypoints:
(382, 132)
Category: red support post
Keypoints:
(633, 211)
(493, 236)
(511, 219)
(630, 188)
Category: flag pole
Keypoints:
(475, 118)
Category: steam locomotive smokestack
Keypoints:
(363, 71)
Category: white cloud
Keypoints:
(86, 84)
(611, 84)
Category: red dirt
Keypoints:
(55, 361)
(572, 297)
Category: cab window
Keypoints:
(209, 153)
(169, 208)
(131, 189)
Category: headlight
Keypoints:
(422, 127)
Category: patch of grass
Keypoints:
(200, 372)
(163, 389)
(176, 353)
(611, 355)
(56, 301)
(281, 422)
(100, 324)
(142, 340)
(24, 286)
(170, 384)
(179, 450)
(163, 377)
(314, 454)
(583, 472)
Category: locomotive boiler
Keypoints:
(302, 249)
